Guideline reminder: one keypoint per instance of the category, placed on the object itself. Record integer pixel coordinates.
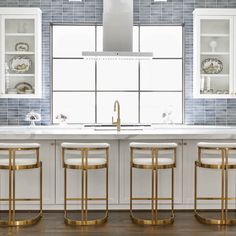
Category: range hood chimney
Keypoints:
(118, 32)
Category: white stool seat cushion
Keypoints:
(153, 145)
(18, 161)
(217, 160)
(85, 145)
(91, 161)
(19, 145)
(216, 145)
(148, 161)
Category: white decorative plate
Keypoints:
(212, 66)
(20, 64)
(23, 87)
(23, 47)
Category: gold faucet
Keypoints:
(117, 122)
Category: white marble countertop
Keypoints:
(74, 132)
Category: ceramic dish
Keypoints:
(20, 64)
(23, 87)
(212, 66)
(23, 47)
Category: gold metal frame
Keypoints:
(84, 187)
(224, 167)
(12, 167)
(154, 198)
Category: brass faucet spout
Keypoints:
(117, 122)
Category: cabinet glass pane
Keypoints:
(73, 74)
(100, 38)
(21, 26)
(19, 56)
(79, 107)
(214, 26)
(163, 41)
(70, 41)
(214, 84)
(215, 56)
(117, 75)
(163, 107)
(161, 74)
(128, 106)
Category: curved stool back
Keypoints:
(86, 156)
(222, 160)
(15, 157)
(149, 156)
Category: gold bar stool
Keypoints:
(13, 157)
(82, 160)
(223, 162)
(149, 156)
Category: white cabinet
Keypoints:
(27, 181)
(214, 56)
(96, 179)
(209, 180)
(20, 47)
(142, 178)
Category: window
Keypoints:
(85, 90)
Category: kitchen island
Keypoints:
(51, 137)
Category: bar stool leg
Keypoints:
(65, 192)
(10, 187)
(172, 191)
(131, 184)
(82, 197)
(14, 189)
(86, 189)
(195, 188)
(223, 187)
(156, 179)
(226, 186)
(107, 156)
(153, 176)
(41, 188)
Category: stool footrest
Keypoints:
(86, 222)
(215, 198)
(20, 199)
(89, 199)
(22, 222)
(153, 222)
(212, 221)
(149, 198)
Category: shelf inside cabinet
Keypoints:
(214, 35)
(215, 53)
(215, 75)
(19, 34)
(19, 53)
(21, 75)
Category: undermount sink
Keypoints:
(114, 128)
(110, 127)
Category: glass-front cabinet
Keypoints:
(20, 53)
(214, 54)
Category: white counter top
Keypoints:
(153, 132)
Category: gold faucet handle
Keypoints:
(113, 122)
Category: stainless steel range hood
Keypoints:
(118, 32)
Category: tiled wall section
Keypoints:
(197, 111)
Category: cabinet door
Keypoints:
(96, 178)
(21, 55)
(142, 178)
(27, 181)
(213, 56)
(209, 180)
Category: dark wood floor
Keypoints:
(119, 223)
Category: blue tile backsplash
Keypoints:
(197, 111)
